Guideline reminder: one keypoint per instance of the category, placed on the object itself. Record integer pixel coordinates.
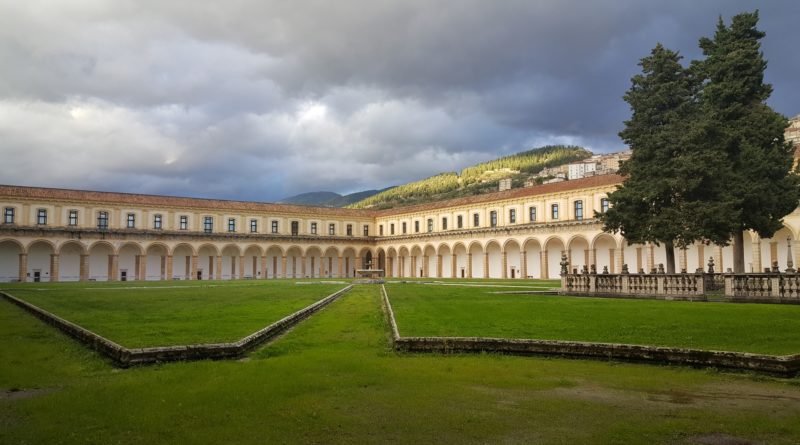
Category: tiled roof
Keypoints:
(556, 187)
(128, 199)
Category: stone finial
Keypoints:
(789, 262)
(625, 269)
(775, 267)
(653, 271)
(564, 264)
(605, 270)
(711, 264)
(641, 270)
(683, 270)
(699, 270)
(593, 269)
(661, 268)
(585, 270)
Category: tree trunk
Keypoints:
(669, 246)
(738, 252)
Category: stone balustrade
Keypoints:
(774, 287)
(667, 286)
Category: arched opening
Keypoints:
(391, 262)
(207, 267)
(404, 265)
(513, 259)
(69, 261)
(578, 253)
(775, 250)
(182, 262)
(101, 262)
(605, 248)
(294, 259)
(416, 265)
(554, 248)
(476, 254)
(313, 262)
(494, 255)
(462, 262)
(446, 256)
(129, 263)
(10, 251)
(252, 263)
(39, 261)
(157, 261)
(231, 257)
(349, 261)
(275, 266)
(330, 260)
(533, 254)
(381, 260)
(430, 262)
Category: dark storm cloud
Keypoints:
(258, 100)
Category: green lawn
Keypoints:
(333, 379)
(138, 314)
(423, 310)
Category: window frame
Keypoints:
(444, 223)
(72, 217)
(183, 222)
(532, 214)
(605, 204)
(554, 211)
(365, 231)
(130, 221)
(8, 215)
(253, 225)
(349, 229)
(577, 207)
(157, 221)
(41, 217)
(331, 229)
(459, 221)
(512, 216)
(208, 224)
(102, 220)
(313, 228)
(430, 225)
(274, 226)
(295, 228)
(231, 225)
(493, 218)
(476, 219)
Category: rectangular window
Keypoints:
(102, 220)
(8, 215)
(331, 229)
(380, 229)
(416, 226)
(41, 217)
(157, 221)
(295, 228)
(430, 225)
(184, 222)
(253, 226)
(554, 211)
(476, 220)
(460, 222)
(349, 230)
(231, 224)
(131, 221)
(208, 224)
(73, 218)
(444, 223)
(579, 210)
(404, 229)
(313, 228)
(391, 229)
(512, 216)
(532, 214)
(493, 218)
(604, 204)
(366, 230)
(274, 226)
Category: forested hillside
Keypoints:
(480, 178)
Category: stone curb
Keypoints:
(785, 365)
(124, 357)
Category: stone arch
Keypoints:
(330, 262)
(462, 264)
(231, 258)
(157, 256)
(74, 245)
(253, 262)
(578, 252)
(775, 250)
(131, 262)
(604, 248)
(208, 267)
(493, 255)
(391, 262)
(313, 259)
(430, 269)
(274, 268)
(40, 261)
(513, 259)
(100, 259)
(349, 265)
(534, 256)
(182, 254)
(416, 261)
(553, 246)
(10, 251)
(187, 246)
(49, 243)
(476, 254)
(446, 254)
(69, 260)
(294, 260)
(404, 262)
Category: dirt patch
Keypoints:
(21, 394)
(720, 439)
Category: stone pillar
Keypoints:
(303, 267)
(283, 268)
(523, 262)
(438, 266)
(54, 269)
(137, 268)
(591, 257)
(469, 265)
(294, 267)
(330, 266)
(23, 267)
(773, 253)
(163, 267)
(718, 266)
(113, 267)
(389, 266)
(321, 268)
(84, 268)
(701, 256)
(401, 266)
(619, 256)
(505, 264)
(218, 268)
(682, 261)
(544, 273)
(413, 266)
(425, 265)
(143, 267)
(340, 265)
(639, 265)
(611, 260)
(193, 271)
(347, 266)
(169, 273)
(264, 267)
(241, 267)
(454, 266)
(313, 266)
(651, 257)
(486, 265)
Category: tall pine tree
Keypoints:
(750, 134)
(672, 187)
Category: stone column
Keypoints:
(294, 267)
(454, 266)
(218, 268)
(330, 266)
(591, 257)
(413, 266)
(544, 273)
(54, 269)
(321, 268)
(505, 264)
(651, 257)
(773, 253)
(389, 267)
(611, 260)
(339, 266)
(313, 266)
(163, 267)
(682, 261)
(143, 267)
(523, 263)
(283, 268)
(718, 266)
(193, 270)
(137, 268)
(639, 265)
(401, 266)
(84, 268)
(701, 256)
(264, 267)
(113, 267)
(438, 266)
(486, 265)
(303, 267)
(619, 256)
(425, 265)
(169, 268)
(23, 267)
(241, 267)
(469, 265)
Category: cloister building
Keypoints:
(69, 235)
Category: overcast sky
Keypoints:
(258, 100)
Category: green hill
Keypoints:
(479, 178)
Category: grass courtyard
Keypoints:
(173, 313)
(334, 379)
(456, 311)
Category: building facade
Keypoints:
(70, 235)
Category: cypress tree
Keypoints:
(748, 133)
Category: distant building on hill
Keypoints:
(505, 184)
